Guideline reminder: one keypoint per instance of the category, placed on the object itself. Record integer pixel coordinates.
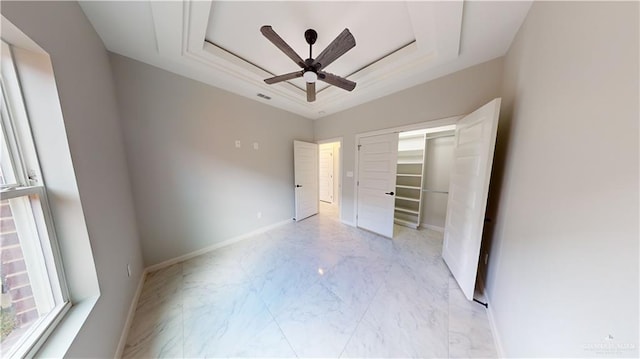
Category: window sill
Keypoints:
(60, 340)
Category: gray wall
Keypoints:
(563, 267)
(192, 187)
(85, 86)
(456, 94)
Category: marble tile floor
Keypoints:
(316, 288)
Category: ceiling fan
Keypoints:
(312, 68)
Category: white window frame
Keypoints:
(32, 220)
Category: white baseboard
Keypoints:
(155, 267)
(494, 329)
(430, 226)
(230, 241)
(130, 315)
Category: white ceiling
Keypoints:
(398, 44)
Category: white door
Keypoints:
(326, 173)
(305, 162)
(468, 188)
(377, 161)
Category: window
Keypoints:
(34, 295)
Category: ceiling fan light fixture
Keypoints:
(310, 77)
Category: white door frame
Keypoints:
(333, 140)
(417, 126)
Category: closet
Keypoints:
(424, 163)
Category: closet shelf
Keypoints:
(408, 199)
(410, 152)
(408, 187)
(406, 223)
(406, 210)
(407, 175)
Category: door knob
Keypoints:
(390, 193)
(298, 185)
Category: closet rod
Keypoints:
(434, 191)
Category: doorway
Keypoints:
(330, 189)
(425, 160)
(399, 170)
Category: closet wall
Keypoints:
(439, 152)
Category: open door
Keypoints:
(305, 163)
(468, 189)
(377, 160)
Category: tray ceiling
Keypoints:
(399, 44)
(373, 42)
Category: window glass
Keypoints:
(33, 294)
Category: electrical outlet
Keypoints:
(256, 146)
(128, 270)
(237, 143)
(259, 215)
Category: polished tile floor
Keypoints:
(317, 288)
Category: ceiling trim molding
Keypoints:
(187, 37)
(196, 15)
(168, 40)
(172, 36)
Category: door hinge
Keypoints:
(359, 147)
(357, 183)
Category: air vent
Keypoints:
(264, 96)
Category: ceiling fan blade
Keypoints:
(311, 91)
(272, 36)
(285, 77)
(336, 80)
(340, 45)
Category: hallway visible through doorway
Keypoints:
(330, 210)
(329, 178)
